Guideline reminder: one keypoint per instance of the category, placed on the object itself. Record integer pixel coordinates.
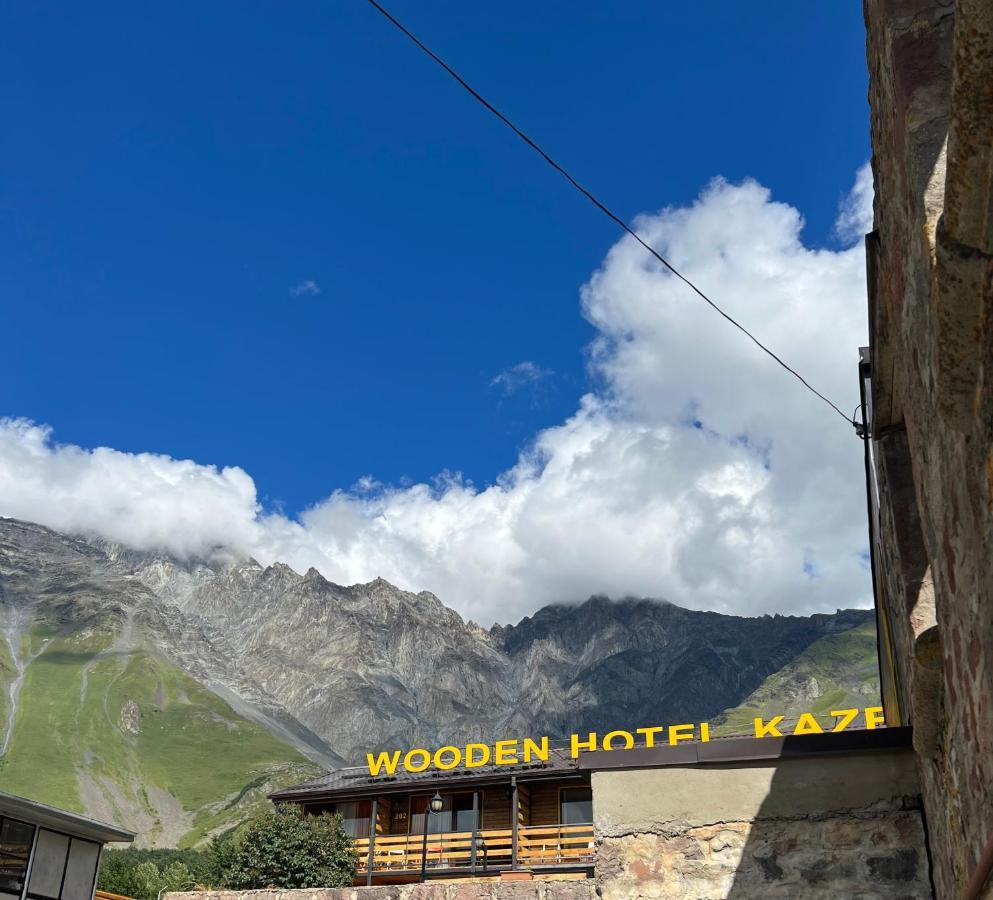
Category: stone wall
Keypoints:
(931, 327)
(432, 890)
(842, 826)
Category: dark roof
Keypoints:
(356, 780)
(36, 813)
(737, 750)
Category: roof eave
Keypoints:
(290, 795)
(51, 817)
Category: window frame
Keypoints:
(573, 787)
(31, 845)
(27, 894)
(367, 818)
(449, 827)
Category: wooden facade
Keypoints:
(491, 825)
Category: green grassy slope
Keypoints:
(837, 672)
(121, 734)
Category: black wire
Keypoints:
(860, 429)
(589, 196)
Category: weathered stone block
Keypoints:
(427, 891)
(516, 890)
(770, 868)
(570, 890)
(470, 892)
(902, 865)
(378, 892)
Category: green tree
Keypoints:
(286, 849)
(118, 870)
(145, 880)
(175, 877)
(148, 881)
(219, 859)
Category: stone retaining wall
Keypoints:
(843, 826)
(433, 890)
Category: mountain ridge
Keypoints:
(315, 674)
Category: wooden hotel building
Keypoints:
(531, 820)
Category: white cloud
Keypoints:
(855, 211)
(522, 375)
(308, 288)
(700, 471)
(141, 499)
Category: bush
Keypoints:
(142, 873)
(287, 849)
(281, 848)
(219, 859)
(126, 872)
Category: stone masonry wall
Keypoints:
(931, 327)
(815, 829)
(877, 856)
(432, 890)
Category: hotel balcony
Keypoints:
(538, 847)
(531, 820)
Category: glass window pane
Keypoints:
(15, 848)
(462, 812)
(83, 856)
(438, 822)
(577, 806)
(355, 816)
(49, 864)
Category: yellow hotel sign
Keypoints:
(515, 752)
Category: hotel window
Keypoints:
(64, 867)
(576, 806)
(15, 849)
(455, 815)
(355, 816)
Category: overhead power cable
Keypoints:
(479, 98)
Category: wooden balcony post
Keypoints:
(475, 830)
(515, 816)
(372, 838)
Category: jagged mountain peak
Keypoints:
(313, 575)
(335, 671)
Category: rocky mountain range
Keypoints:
(171, 695)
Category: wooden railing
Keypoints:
(537, 845)
(544, 845)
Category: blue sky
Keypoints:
(172, 172)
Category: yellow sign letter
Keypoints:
(650, 733)
(383, 760)
(847, 716)
(763, 729)
(874, 717)
(578, 745)
(532, 749)
(440, 763)
(473, 762)
(807, 724)
(505, 753)
(625, 736)
(408, 760)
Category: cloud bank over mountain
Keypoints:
(696, 469)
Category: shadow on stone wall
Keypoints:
(834, 825)
(874, 852)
